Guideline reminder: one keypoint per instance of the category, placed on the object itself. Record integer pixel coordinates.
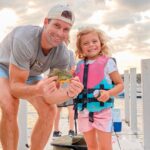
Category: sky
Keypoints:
(125, 22)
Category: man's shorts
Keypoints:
(68, 102)
(102, 121)
(4, 73)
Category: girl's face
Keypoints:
(90, 45)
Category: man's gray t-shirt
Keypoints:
(22, 48)
(72, 61)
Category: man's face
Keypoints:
(55, 32)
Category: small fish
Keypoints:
(63, 75)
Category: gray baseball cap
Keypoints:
(61, 12)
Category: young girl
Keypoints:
(101, 80)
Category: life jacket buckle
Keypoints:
(85, 91)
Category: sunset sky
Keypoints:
(126, 22)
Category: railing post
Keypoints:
(145, 74)
(127, 98)
(22, 121)
(133, 100)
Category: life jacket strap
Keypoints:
(91, 118)
(88, 100)
(75, 112)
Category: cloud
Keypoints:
(125, 21)
(133, 5)
(29, 12)
(84, 9)
(117, 19)
(135, 40)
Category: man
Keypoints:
(25, 53)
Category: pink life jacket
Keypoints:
(93, 79)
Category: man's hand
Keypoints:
(46, 86)
(75, 87)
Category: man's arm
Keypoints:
(45, 87)
(20, 89)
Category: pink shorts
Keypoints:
(102, 120)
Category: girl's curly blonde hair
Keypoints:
(102, 38)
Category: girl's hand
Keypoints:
(104, 96)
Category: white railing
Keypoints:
(145, 65)
(127, 98)
(130, 86)
(22, 120)
(131, 102)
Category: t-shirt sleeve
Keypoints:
(111, 66)
(20, 55)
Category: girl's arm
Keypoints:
(116, 78)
